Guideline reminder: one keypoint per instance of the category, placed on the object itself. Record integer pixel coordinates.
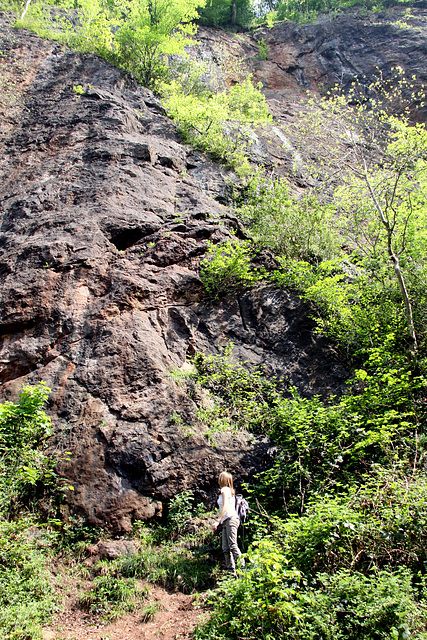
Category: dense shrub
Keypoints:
(26, 471)
(379, 524)
(228, 266)
(352, 567)
(27, 475)
(295, 228)
(321, 445)
(276, 600)
(26, 592)
(220, 123)
(355, 311)
(138, 36)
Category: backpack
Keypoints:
(242, 507)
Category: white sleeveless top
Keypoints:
(228, 497)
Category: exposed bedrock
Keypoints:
(335, 50)
(104, 218)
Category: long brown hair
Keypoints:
(226, 480)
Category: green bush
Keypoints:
(220, 123)
(353, 309)
(27, 475)
(136, 35)
(170, 556)
(307, 10)
(379, 524)
(26, 594)
(149, 33)
(26, 472)
(321, 445)
(273, 600)
(243, 399)
(263, 48)
(11, 5)
(228, 266)
(295, 228)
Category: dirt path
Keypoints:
(177, 615)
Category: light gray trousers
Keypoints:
(229, 542)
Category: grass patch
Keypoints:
(173, 566)
(111, 595)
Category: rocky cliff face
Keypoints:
(318, 56)
(104, 218)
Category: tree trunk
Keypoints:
(25, 10)
(233, 15)
(396, 263)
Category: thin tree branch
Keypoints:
(27, 4)
(395, 260)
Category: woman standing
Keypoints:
(230, 521)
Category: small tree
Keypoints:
(376, 162)
(151, 31)
(228, 266)
(24, 428)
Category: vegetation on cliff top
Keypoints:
(228, 14)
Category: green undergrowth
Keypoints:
(298, 227)
(377, 524)
(277, 601)
(337, 529)
(228, 266)
(353, 302)
(111, 595)
(352, 567)
(180, 555)
(320, 445)
(27, 594)
(42, 561)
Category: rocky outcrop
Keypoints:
(334, 50)
(104, 217)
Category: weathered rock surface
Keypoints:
(104, 218)
(333, 50)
